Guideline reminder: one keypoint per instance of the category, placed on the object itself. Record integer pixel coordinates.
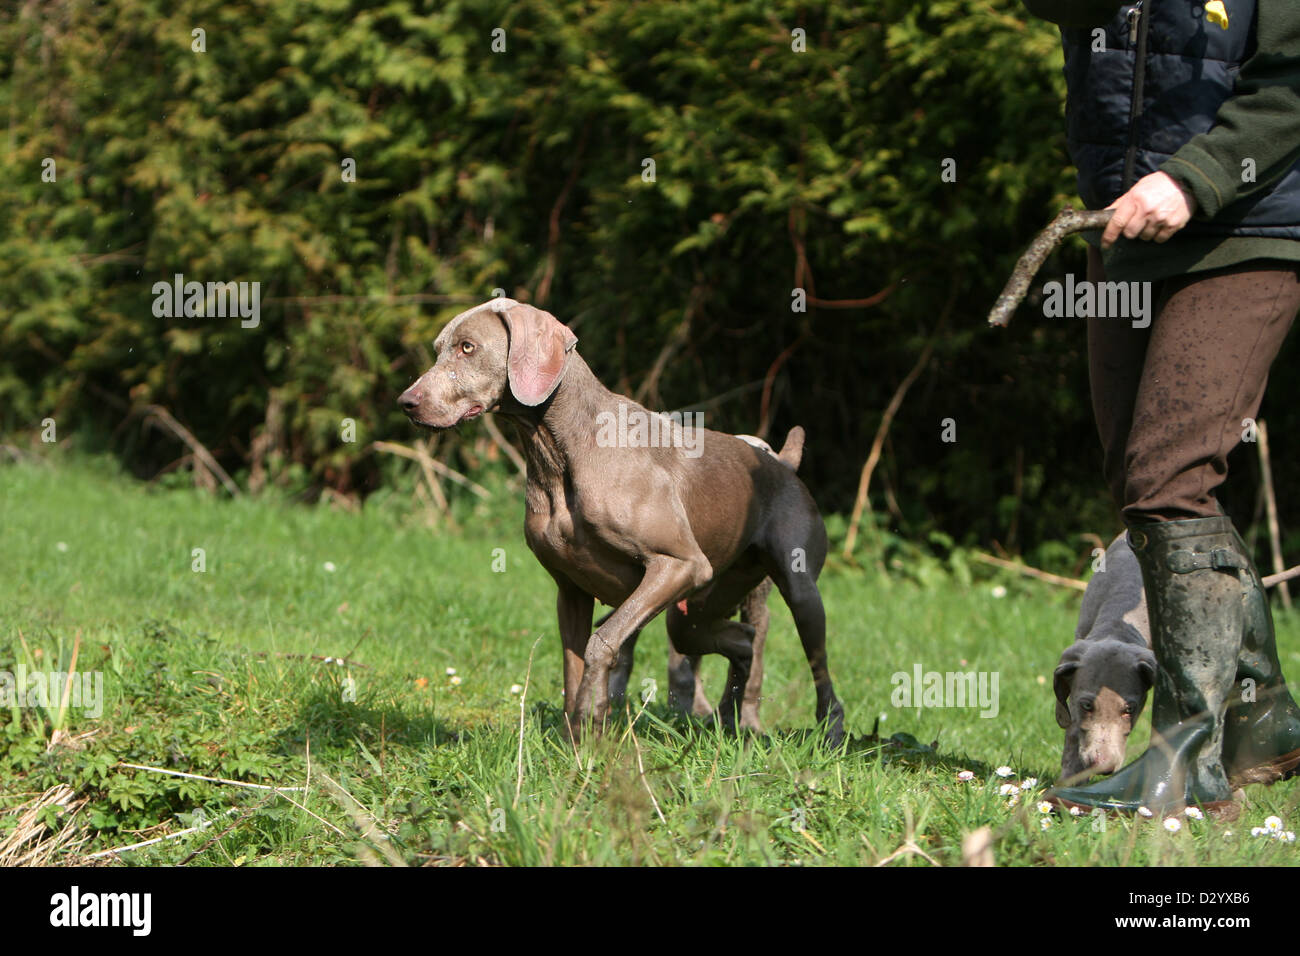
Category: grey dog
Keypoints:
(644, 527)
(1102, 680)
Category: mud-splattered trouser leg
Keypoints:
(1170, 399)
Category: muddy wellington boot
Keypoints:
(1194, 600)
(1261, 733)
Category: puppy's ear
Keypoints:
(1147, 668)
(539, 350)
(1062, 681)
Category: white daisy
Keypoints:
(966, 775)
(1004, 771)
(1172, 824)
(1145, 812)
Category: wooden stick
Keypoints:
(1270, 501)
(162, 839)
(1287, 575)
(1077, 585)
(553, 233)
(393, 448)
(866, 303)
(649, 388)
(873, 457)
(195, 776)
(200, 452)
(426, 466)
(1030, 572)
(504, 444)
(861, 502)
(1066, 223)
(765, 403)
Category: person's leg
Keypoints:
(1206, 366)
(1204, 370)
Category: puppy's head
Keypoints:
(500, 350)
(1101, 687)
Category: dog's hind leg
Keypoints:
(793, 566)
(685, 689)
(753, 611)
(734, 640)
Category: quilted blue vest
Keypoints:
(1189, 69)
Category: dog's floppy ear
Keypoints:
(1147, 667)
(1062, 679)
(539, 350)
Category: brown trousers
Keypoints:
(1170, 399)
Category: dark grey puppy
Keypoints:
(1102, 680)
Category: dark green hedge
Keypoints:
(522, 170)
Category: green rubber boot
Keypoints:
(1261, 733)
(1194, 600)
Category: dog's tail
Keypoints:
(792, 451)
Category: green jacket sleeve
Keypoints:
(1259, 122)
(1074, 13)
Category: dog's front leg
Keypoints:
(574, 609)
(667, 579)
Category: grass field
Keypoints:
(219, 673)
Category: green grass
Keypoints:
(212, 673)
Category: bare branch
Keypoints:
(1067, 222)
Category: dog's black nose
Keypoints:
(409, 400)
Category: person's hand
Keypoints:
(1155, 208)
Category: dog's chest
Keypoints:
(564, 541)
(550, 530)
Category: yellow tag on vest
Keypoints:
(1216, 13)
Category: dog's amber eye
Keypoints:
(467, 348)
